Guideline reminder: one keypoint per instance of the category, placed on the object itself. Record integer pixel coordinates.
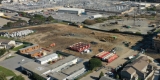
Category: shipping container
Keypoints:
(107, 53)
(115, 56)
(107, 56)
(101, 53)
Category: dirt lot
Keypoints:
(64, 36)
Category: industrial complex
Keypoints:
(79, 40)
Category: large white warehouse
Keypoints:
(72, 10)
(47, 58)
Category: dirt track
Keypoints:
(64, 36)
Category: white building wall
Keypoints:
(64, 65)
(46, 72)
(12, 43)
(47, 60)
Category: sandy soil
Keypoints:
(58, 33)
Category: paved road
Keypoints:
(7, 55)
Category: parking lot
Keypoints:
(15, 62)
(69, 17)
(139, 25)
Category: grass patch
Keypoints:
(1, 37)
(9, 57)
(19, 47)
(88, 72)
(7, 72)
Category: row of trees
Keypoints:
(39, 19)
(34, 20)
(3, 77)
(94, 21)
(18, 23)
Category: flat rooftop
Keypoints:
(58, 75)
(73, 9)
(35, 67)
(29, 46)
(61, 62)
(35, 51)
(74, 68)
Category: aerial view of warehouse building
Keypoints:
(67, 68)
(72, 10)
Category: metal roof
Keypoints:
(74, 68)
(63, 61)
(58, 75)
(29, 47)
(47, 57)
(73, 9)
(35, 67)
(35, 51)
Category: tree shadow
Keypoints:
(94, 78)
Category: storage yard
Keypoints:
(64, 36)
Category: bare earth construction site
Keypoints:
(64, 36)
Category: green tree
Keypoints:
(2, 76)
(37, 77)
(89, 22)
(101, 74)
(9, 24)
(2, 51)
(50, 18)
(94, 62)
(17, 78)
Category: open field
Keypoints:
(60, 34)
(7, 72)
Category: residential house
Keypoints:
(137, 69)
(7, 44)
